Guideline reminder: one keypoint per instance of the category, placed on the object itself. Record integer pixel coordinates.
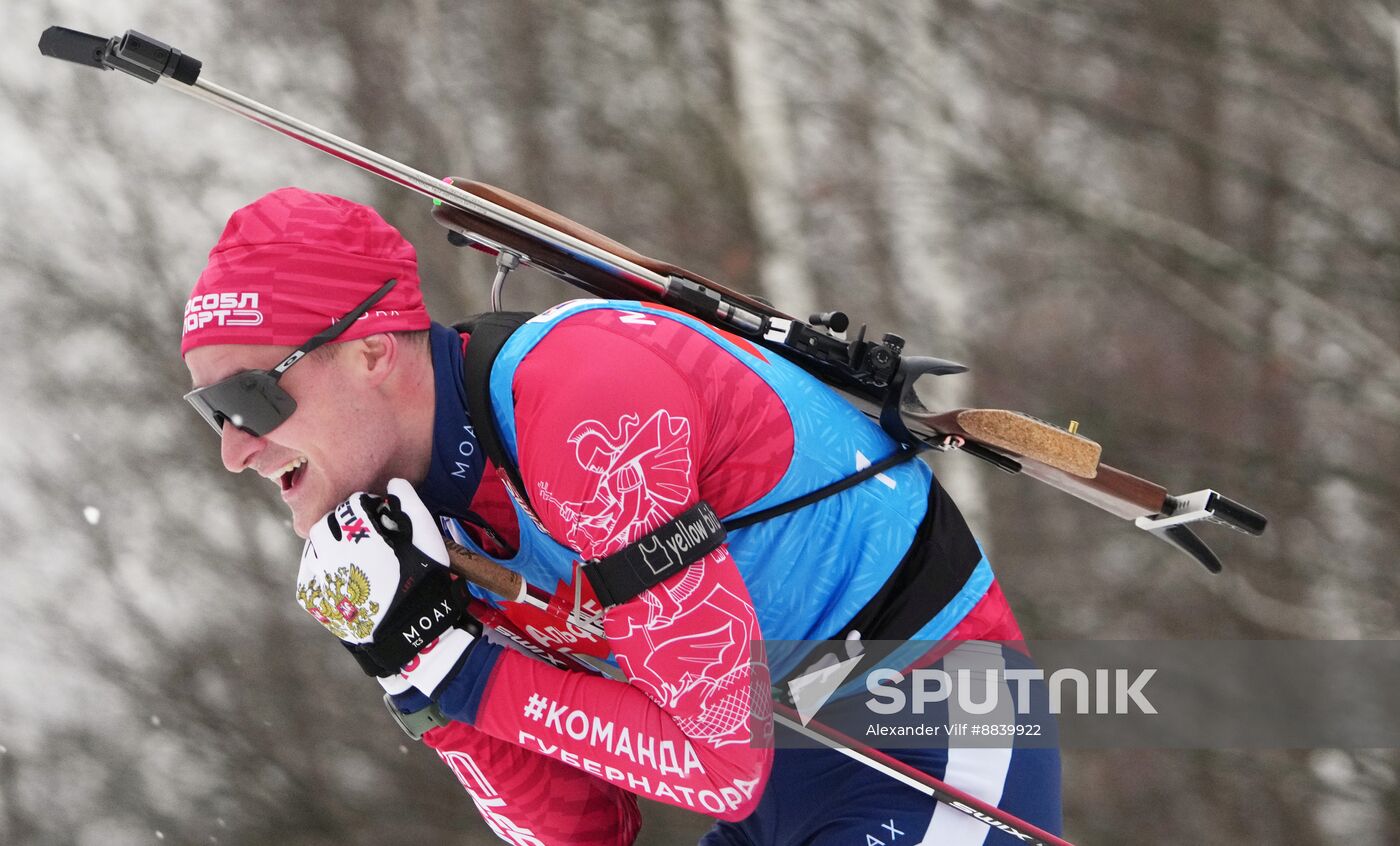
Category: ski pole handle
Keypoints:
(483, 572)
(512, 587)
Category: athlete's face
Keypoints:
(329, 447)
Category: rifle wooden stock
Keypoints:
(550, 257)
(1059, 458)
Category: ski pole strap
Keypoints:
(656, 556)
(436, 604)
(415, 724)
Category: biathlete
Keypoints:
(625, 436)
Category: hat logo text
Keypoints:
(229, 308)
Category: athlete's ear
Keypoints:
(377, 355)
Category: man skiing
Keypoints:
(630, 431)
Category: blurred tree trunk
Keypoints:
(15, 826)
(768, 158)
(383, 59)
(918, 176)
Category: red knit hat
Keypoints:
(291, 263)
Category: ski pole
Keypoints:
(510, 585)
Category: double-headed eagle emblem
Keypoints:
(342, 604)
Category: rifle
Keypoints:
(876, 376)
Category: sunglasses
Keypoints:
(252, 400)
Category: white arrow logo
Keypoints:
(862, 462)
(810, 690)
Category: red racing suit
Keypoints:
(557, 756)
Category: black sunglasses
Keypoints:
(252, 400)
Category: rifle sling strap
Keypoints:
(488, 334)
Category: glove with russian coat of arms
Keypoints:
(374, 572)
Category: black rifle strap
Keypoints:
(488, 333)
(899, 456)
(696, 532)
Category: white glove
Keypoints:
(374, 572)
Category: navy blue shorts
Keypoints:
(819, 796)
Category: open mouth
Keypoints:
(288, 477)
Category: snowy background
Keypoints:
(1176, 223)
